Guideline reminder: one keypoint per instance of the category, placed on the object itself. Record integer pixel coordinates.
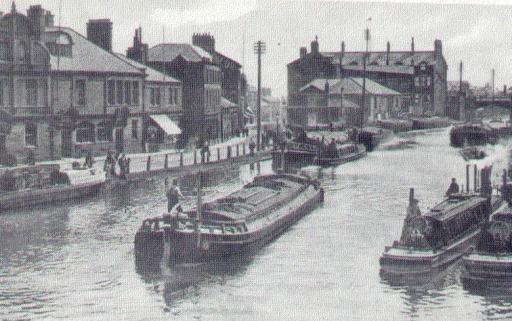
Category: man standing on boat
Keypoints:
(453, 189)
(173, 194)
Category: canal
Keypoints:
(75, 261)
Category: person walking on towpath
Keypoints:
(173, 194)
(252, 146)
(453, 189)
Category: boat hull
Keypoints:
(487, 271)
(341, 160)
(399, 261)
(47, 196)
(185, 246)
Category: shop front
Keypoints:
(162, 132)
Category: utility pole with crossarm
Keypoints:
(259, 49)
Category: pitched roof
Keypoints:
(226, 103)
(88, 57)
(151, 74)
(221, 58)
(170, 51)
(271, 100)
(351, 86)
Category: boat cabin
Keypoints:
(454, 217)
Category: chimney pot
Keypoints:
(99, 32)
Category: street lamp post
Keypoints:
(259, 49)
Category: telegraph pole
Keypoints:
(259, 49)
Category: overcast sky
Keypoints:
(479, 35)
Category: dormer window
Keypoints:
(423, 66)
(61, 46)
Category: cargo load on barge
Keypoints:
(450, 229)
(240, 222)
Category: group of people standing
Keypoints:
(116, 165)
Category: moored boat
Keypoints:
(450, 229)
(472, 153)
(240, 222)
(345, 153)
(44, 185)
(490, 265)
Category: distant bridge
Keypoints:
(498, 101)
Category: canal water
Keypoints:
(76, 262)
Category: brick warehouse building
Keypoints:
(420, 76)
(68, 94)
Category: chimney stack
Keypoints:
(504, 90)
(139, 50)
(388, 49)
(438, 49)
(314, 46)
(204, 41)
(412, 45)
(303, 52)
(99, 32)
(37, 16)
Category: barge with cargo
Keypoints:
(238, 223)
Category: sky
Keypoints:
(477, 34)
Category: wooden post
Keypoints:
(218, 153)
(181, 159)
(166, 162)
(243, 149)
(475, 174)
(148, 164)
(195, 156)
(229, 152)
(208, 157)
(467, 178)
(283, 164)
(237, 150)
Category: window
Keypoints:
(176, 96)
(417, 99)
(31, 134)
(80, 89)
(111, 92)
(423, 66)
(417, 81)
(135, 92)
(428, 81)
(135, 128)
(128, 92)
(119, 92)
(104, 132)
(1, 93)
(152, 96)
(85, 133)
(31, 86)
(171, 96)
(157, 96)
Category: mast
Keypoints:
(492, 93)
(340, 114)
(365, 56)
(199, 210)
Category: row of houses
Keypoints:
(324, 86)
(63, 94)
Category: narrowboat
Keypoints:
(431, 241)
(343, 154)
(240, 222)
(44, 185)
(472, 134)
(490, 265)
